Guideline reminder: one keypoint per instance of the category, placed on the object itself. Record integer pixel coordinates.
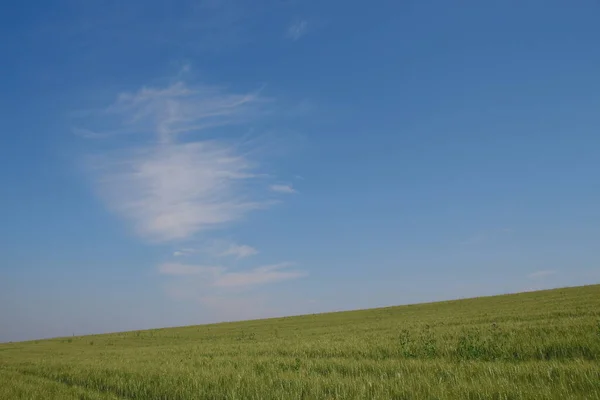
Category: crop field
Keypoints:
(536, 345)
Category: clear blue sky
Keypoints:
(180, 162)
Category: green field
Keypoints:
(537, 345)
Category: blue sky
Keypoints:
(184, 162)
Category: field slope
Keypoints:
(537, 345)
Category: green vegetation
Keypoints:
(538, 345)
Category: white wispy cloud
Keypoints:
(172, 191)
(217, 248)
(541, 274)
(259, 276)
(240, 251)
(184, 252)
(179, 269)
(297, 29)
(171, 188)
(177, 173)
(179, 108)
(282, 189)
(221, 277)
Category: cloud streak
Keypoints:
(240, 251)
(178, 269)
(297, 29)
(220, 277)
(179, 170)
(184, 252)
(172, 191)
(282, 189)
(258, 276)
(179, 108)
(171, 188)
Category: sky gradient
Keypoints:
(167, 163)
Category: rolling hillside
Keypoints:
(536, 345)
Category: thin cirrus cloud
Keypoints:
(258, 276)
(217, 249)
(221, 277)
(177, 269)
(240, 251)
(282, 189)
(184, 252)
(168, 187)
(184, 175)
(297, 29)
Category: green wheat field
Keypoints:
(536, 345)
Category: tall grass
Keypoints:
(539, 345)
